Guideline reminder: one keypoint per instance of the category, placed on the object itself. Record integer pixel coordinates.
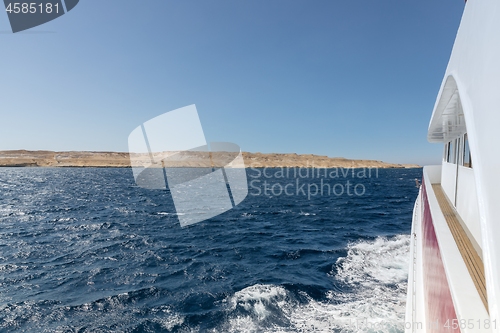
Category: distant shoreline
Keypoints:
(86, 159)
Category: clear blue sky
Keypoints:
(356, 79)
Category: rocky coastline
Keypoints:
(42, 158)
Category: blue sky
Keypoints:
(356, 79)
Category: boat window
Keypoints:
(451, 152)
(467, 160)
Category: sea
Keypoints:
(87, 250)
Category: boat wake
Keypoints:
(371, 296)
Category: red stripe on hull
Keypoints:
(440, 310)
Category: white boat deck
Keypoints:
(463, 267)
(471, 258)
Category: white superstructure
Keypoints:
(464, 119)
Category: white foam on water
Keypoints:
(306, 214)
(258, 303)
(257, 298)
(169, 319)
(373, 278)
(173, 214)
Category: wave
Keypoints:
(369, 296)
(371, 299)
(117, 313)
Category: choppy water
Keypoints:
(86, 250)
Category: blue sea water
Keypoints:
(86, 250)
